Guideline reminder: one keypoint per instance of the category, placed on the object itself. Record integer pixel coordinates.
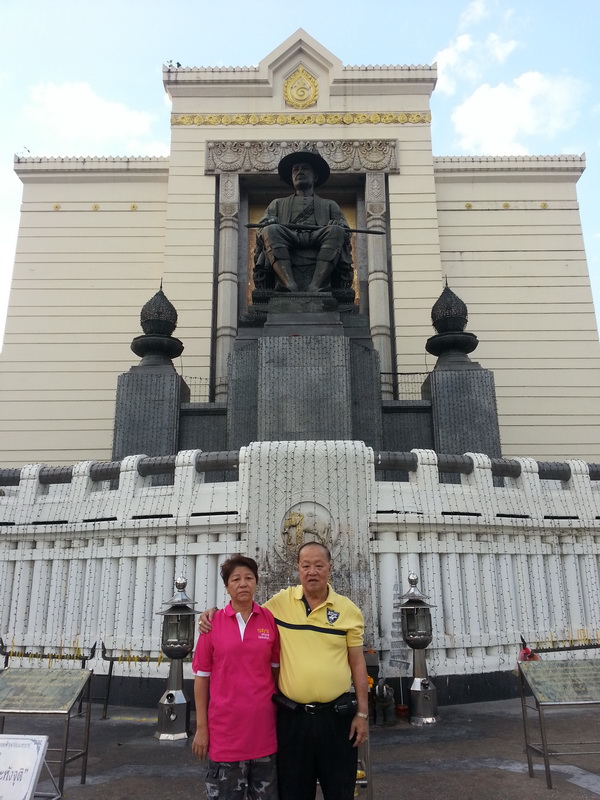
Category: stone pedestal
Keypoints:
(464, 411)
(304, 375)
(147, 411)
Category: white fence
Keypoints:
(82, 562)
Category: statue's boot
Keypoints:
(283, 270)
(320, 278)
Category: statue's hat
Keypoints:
(317, 162)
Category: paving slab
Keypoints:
(475, 752)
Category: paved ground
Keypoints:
(475, 752)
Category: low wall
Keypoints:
(84, 562)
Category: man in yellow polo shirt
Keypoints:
(318, 725)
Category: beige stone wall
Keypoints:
(512, 249)
(89, 255)
(85, 268)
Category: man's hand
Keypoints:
(360, 727)
(200, 743)
(205, 620)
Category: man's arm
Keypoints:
(205, 620)
(200, 743)
(358, 668)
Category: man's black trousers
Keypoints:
(311, 747)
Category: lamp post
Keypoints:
(177, 642)
(417, 631)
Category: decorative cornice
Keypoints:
(508, 164)
(369, 155)
(170, 70)
(98, 165)
(314, 118)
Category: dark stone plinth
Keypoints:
(367, 423)
(242, 395)
(302, 303)
(464, 411)
(304, 388)
(147, 412)
(406, 425)
(303, 314)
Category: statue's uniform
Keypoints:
(313, 742)
(304, 248)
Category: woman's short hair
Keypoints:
(234, 562)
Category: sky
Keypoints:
(515, 77)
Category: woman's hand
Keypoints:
(200, 743)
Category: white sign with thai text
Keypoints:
(21, 760)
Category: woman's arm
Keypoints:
(201, 739)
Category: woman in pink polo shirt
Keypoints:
(238, 660)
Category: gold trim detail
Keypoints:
(301, 89)
(387, 118)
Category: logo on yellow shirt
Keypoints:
(332, 615)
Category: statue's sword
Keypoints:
(294, 227)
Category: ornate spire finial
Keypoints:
(159, 315)
(449, 313)
(451, 342)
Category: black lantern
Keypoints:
(417, 631)
(177, 642)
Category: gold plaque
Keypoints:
(301, 89)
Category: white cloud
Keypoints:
(465, 59)
(72, 114)
(497, 120)
(499, 50)
(447, 59)
(474, 12)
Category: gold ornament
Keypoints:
(289, 118)
(301, 89)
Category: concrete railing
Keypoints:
(83, 562)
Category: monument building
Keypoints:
(286, 264)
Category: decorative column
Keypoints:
(149, 396)
(462, 392)
(379, 292)
(227, 279)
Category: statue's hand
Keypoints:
(272, 221)
(338, 222)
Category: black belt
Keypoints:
(344, 705)
(316, 708)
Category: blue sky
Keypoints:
(84, 79)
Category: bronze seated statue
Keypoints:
(303, 242)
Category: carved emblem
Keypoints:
(308, 522)
(301, 89)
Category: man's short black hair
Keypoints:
(318, 544)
